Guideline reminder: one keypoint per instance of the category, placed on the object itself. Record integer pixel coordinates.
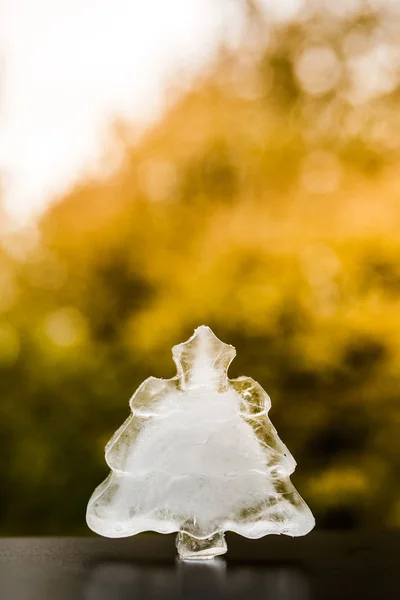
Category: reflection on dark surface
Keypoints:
(268, 583)
(128, 582)
(318, 567)
(195, 580)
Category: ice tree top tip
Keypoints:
(203, 360)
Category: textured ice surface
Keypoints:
(199, 455)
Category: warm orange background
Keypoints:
(266, 204)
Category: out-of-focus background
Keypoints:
(169, 164)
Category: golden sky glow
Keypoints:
(70, 66)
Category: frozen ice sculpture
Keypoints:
(199, 456)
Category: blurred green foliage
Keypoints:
(265, 204)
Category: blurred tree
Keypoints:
(265, 204)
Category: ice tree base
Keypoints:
(191, 548)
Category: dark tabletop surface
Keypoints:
(321, 565)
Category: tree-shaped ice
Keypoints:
(199, 456)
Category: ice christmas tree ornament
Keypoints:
(199, 456)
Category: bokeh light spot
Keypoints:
(65, 327)
(157, 178)
(284, 10)
(321, 172)
(374, 73)
(344, 9)
(318, 70)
